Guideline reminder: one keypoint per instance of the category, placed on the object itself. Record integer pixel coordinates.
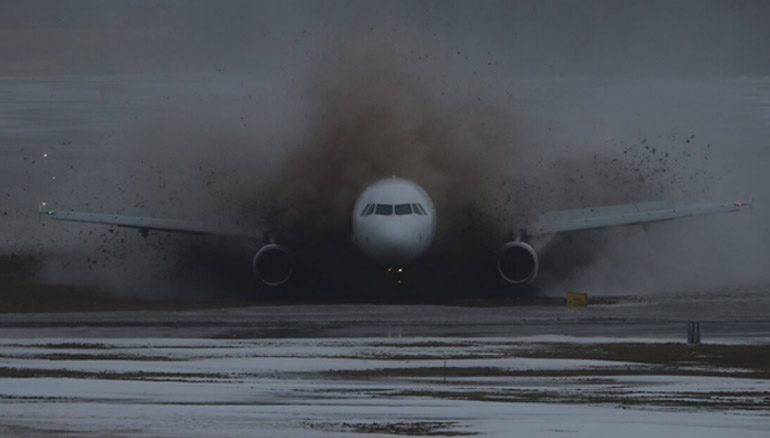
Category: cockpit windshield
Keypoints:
(390, 209)
(384, 209)
(402, 209)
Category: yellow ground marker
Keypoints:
(577, 299)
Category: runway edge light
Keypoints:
(577, 299)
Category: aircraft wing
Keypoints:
(624, 214)
(147, 224)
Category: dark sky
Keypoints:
(601, 38)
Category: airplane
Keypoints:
(394, 223)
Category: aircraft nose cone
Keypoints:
(396, 247)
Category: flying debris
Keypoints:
(394, 223)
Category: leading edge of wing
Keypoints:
(625, 214)
(146, 224)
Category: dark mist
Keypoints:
(277, 115)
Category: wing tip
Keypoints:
(740, 203)
(43, 210)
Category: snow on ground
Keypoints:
(325, 387)
(492, 419)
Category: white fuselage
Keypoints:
(394, 222)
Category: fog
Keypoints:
(528, 37)
(276, 115)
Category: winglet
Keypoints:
(42, 210)
(749, 203)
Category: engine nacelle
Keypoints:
(517, 262)
(273, 265)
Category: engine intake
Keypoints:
(517, 262)
(273, 265)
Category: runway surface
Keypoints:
(359, 370)
(735, 313)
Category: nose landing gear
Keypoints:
(395, 276)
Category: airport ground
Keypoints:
(533, 368)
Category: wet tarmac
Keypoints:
(737, 313)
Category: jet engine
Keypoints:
(517, 262)
(273, 265)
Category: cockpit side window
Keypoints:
(403, 209)
(419, 210)
(369, 209)
(384, 209)
(365, 209)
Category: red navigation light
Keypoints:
(741, 204)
